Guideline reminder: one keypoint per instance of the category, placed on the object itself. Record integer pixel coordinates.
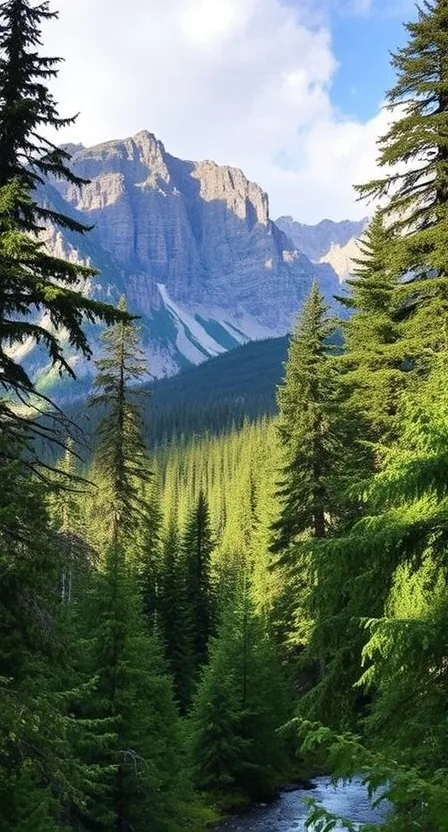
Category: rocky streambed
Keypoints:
(289, 812)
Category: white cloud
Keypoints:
(245, 82)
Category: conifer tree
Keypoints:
(34, 285)
(141, 757)
(415, 153)
(306, 428)
(146, 553)
(175, 621)
(39, 770)
(398, 602)
(27, 109)
(404, 303)
(373, 361)
(198, 547)
(65, 502)
(121, 458)
(318, 462)
(239, 705)
(134, 690)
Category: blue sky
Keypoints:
(361, 43)
(288, 90)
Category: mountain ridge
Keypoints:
(191, 244)
(333, 242)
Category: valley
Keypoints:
(223, 437)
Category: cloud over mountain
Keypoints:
(246, 82)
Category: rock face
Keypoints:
(329, 242)
(192, 246)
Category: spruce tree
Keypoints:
(198, 546)
(121, 457)
(140, 757)
(240, 703)
(373, 362)
(415, 152)
(27, 109)
(174, 617)
(134, 691)
(39, 770)
(34, 285)
(398, 604)
(148, 554)
(306, 428)
(319, 458)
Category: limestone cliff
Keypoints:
(335, 243)
(190, 243)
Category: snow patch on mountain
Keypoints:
(192, 339)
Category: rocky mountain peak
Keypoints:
(192, 246)
(243, 198)
(316, 241)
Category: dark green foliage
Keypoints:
(34, 285)
(198, 547)
(39, 771)
(416, 183)
(319, 461)
(239, 706)
(120, 455)
(175, 617)
(90, 737)
(141, 760)
(374, 360)
(306, 427)
(27, 108)
(148, 554)
(388, 568)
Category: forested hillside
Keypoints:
(215, 397)
(186, 627)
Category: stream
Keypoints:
(288, 813)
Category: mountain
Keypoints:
(190, 243)
(333, 243)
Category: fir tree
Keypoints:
(65, 501)
(141, 760)
(34, 284)
(27, 109)
(121, 458)
(306, 428)
(398, 604)
(415, 151)
(239, 706)
(198, 546)
(39, 770)
(148, 554)
(319, 458)
(175, 620)
(374, 357)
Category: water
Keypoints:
(289, 812)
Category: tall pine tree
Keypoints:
(34, 285)
(198, 547)
(141, 762)
(414, 152)
(121, 458)
(306, 403)
(373, 362)
(240, 703)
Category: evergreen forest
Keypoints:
(189, 623)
